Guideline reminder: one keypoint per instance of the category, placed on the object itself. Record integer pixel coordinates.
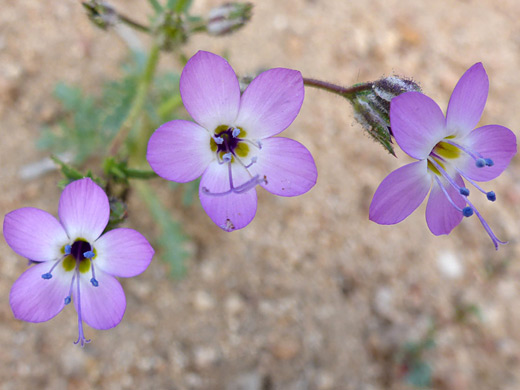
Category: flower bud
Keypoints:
(101, 13)
(228, 18)
(372, 107)
(387, 88)
(170, 30)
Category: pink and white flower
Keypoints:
(232, 143)
(72, 260)
(449, 150)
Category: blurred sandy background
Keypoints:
(312, 295)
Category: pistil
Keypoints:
(490, 233)
(81, 336)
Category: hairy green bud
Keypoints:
(372, 107)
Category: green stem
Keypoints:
(338, 90)
(135, 25)
(169, 105)
(138, 174)
(138, 101)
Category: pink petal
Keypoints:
(210, 90)
(102, 307)
(271, 103)
(417, 123)
(287, 165)
(35, 299)
(84, 210)
(180, 151)
(441, 216)
(233, 211)
(492, 141)
(400, 193)
(123, 252)
(467, 101)
(35, 234)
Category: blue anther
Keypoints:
(68, 249)
(236, 132)
(227, 157)
(489, 162)
(67, 300)
(480, 163)
(218, 140)
(47, 276)
(467, 211)
(89, 254)
(491, 196)
(94, 282)
(464, 191)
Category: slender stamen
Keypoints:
(462, 190)
(447, 195)
(89, 255)
(480, 161)
(81, 336)
(93, 280)
(257, 144)
(48, 275)
(494, 238)
(489, 194)
(68, 297)
(254, 159)
(218, 140)
(236, 132)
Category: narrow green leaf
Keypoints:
(156, 6)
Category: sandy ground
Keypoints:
(312, 295)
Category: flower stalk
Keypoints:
(349, 92)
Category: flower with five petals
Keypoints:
(232, 143)
(450, 150)
(72, 260)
